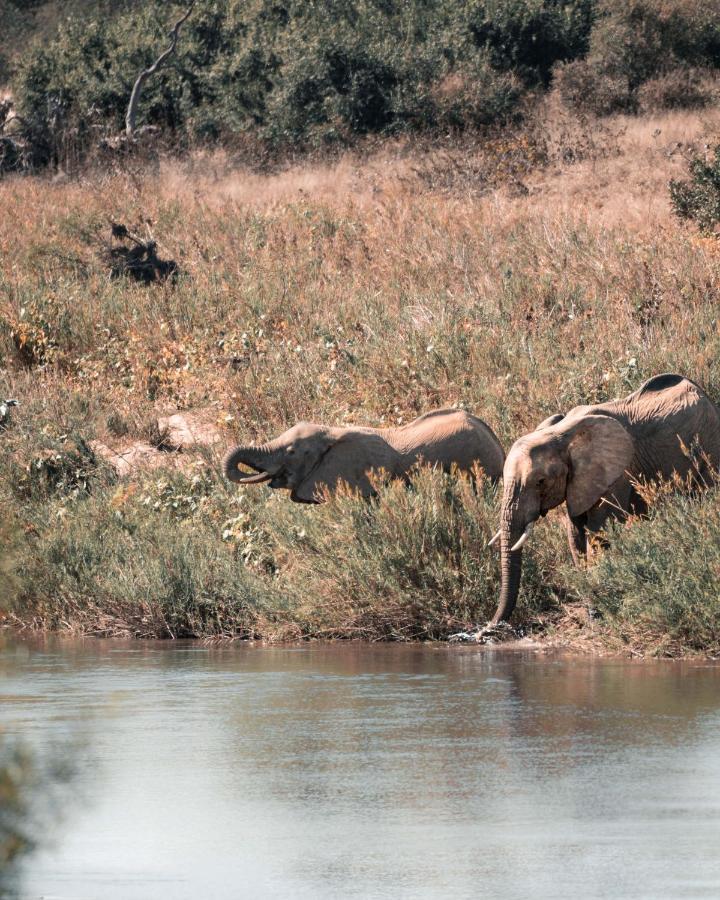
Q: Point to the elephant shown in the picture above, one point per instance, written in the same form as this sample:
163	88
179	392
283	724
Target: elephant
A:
311	459
592	459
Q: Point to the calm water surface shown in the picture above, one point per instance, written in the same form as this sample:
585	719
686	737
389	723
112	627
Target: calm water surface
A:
333	771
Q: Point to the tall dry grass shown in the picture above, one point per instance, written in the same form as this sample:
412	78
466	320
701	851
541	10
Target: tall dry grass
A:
515	278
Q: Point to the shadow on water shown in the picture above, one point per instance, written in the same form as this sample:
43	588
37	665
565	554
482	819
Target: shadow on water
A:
327	770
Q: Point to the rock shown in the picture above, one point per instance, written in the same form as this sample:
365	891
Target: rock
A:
177	436
137	457
185	430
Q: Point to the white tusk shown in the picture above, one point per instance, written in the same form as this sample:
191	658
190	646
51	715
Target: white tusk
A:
523	537
495	539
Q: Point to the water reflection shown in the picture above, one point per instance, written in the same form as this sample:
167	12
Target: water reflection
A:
391	771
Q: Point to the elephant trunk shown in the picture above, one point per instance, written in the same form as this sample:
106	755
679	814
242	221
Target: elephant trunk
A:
255	457
512	529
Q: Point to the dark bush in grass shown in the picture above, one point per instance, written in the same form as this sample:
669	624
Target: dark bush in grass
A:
698	199
683	88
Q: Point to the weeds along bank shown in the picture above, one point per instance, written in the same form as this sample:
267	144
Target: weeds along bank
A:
367	293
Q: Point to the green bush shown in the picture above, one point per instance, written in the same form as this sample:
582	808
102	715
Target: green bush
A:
632	43
415	564
133	565
33	789
528	37
699	198
297	71
180	555
656	584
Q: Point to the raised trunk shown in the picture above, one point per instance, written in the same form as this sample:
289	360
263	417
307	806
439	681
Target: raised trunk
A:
511	529
254	457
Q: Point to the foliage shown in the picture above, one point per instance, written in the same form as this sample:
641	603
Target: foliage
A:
699	198
415	564
632	43
299	72
31	789
311	74
655	584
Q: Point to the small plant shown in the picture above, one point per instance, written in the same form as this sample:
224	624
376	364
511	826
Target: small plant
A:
698	199
32	792
655	584
66	469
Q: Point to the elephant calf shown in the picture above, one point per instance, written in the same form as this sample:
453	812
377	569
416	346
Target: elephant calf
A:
307	459
590	458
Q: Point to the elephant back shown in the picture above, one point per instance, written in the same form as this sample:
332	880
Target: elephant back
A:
672	417
448	438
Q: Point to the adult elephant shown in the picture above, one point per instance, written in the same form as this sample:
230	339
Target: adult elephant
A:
590	459
309	459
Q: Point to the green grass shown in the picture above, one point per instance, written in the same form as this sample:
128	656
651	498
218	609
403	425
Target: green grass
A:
180	555
656	585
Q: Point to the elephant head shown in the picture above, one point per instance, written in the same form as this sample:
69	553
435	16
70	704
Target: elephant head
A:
308	458
575	459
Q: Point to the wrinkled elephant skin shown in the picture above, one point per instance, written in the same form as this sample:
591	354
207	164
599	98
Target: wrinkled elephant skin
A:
590	458
310	460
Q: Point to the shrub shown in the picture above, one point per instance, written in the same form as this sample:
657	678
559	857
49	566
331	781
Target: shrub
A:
586	88
682	88
656	584
414	564
698	199
296	72
528	37
633	43
33	790
123	565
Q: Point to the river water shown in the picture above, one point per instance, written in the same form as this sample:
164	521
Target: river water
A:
349	770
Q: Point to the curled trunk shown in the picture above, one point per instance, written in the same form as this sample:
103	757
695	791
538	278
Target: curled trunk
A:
254	457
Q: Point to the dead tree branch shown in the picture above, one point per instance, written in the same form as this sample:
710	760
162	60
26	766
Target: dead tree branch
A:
146	73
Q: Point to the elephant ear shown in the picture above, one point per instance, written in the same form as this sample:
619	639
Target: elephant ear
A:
350	459
600	451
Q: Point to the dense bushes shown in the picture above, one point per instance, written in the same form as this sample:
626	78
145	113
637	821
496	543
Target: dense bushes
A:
300	71
634	43
656	586
310	73
698	199
178	555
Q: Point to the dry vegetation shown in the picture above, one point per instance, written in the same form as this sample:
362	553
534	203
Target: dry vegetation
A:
515	277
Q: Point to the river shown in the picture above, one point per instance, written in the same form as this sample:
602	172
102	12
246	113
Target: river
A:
374	771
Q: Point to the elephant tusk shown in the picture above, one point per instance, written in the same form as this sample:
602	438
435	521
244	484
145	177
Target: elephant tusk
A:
495	539
523	537
258	478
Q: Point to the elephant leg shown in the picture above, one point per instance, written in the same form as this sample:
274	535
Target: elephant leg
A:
577	538
615	506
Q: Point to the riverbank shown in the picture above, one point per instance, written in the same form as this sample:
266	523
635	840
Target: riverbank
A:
366	292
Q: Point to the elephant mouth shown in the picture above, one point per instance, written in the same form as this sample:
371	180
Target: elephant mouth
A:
278	479
257	477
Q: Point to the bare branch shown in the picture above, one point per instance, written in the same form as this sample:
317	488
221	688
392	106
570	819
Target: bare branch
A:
146	73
